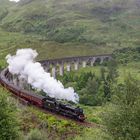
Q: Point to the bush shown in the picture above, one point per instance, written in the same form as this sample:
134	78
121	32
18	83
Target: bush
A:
123	55
36	135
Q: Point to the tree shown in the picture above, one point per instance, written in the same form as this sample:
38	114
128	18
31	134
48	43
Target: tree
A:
112	68
107	89
8	123
92	94
122	115
102	71
110	79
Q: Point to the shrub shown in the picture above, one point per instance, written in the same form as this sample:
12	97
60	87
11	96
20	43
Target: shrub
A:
36	135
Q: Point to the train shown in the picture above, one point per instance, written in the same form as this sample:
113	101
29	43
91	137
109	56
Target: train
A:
45	102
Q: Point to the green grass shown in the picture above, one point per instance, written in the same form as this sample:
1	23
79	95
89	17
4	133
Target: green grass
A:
94	69
10	42
59	28
68	28
93	113
132	68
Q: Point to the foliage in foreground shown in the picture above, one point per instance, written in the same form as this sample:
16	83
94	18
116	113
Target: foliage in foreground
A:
122	115
9	129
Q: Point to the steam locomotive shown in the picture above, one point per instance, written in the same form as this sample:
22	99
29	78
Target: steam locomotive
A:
45	102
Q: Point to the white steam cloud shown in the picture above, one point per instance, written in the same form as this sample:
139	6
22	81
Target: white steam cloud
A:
15	0
24	65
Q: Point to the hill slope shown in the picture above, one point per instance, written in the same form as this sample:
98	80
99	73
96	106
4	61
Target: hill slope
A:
101	25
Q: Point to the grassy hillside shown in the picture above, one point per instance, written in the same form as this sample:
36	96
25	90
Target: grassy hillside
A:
62	28
59	28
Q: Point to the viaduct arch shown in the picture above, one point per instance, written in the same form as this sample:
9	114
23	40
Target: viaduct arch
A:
55	66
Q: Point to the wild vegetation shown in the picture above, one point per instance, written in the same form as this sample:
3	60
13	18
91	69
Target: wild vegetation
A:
109	94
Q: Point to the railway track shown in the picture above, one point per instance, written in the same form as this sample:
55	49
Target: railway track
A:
85	123
25	102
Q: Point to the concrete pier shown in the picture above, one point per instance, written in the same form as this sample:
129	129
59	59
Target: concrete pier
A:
68	67
92	61
84	64
102	60
54	71
61	69
76	65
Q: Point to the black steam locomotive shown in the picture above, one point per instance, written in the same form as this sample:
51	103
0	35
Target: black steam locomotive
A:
64	109
47	102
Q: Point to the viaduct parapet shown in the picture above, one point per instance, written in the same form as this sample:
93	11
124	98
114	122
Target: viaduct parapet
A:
55	66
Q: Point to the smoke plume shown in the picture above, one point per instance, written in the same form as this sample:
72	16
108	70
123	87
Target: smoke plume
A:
15	0
24	65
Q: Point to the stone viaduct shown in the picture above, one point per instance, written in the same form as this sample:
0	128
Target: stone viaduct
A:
55	66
